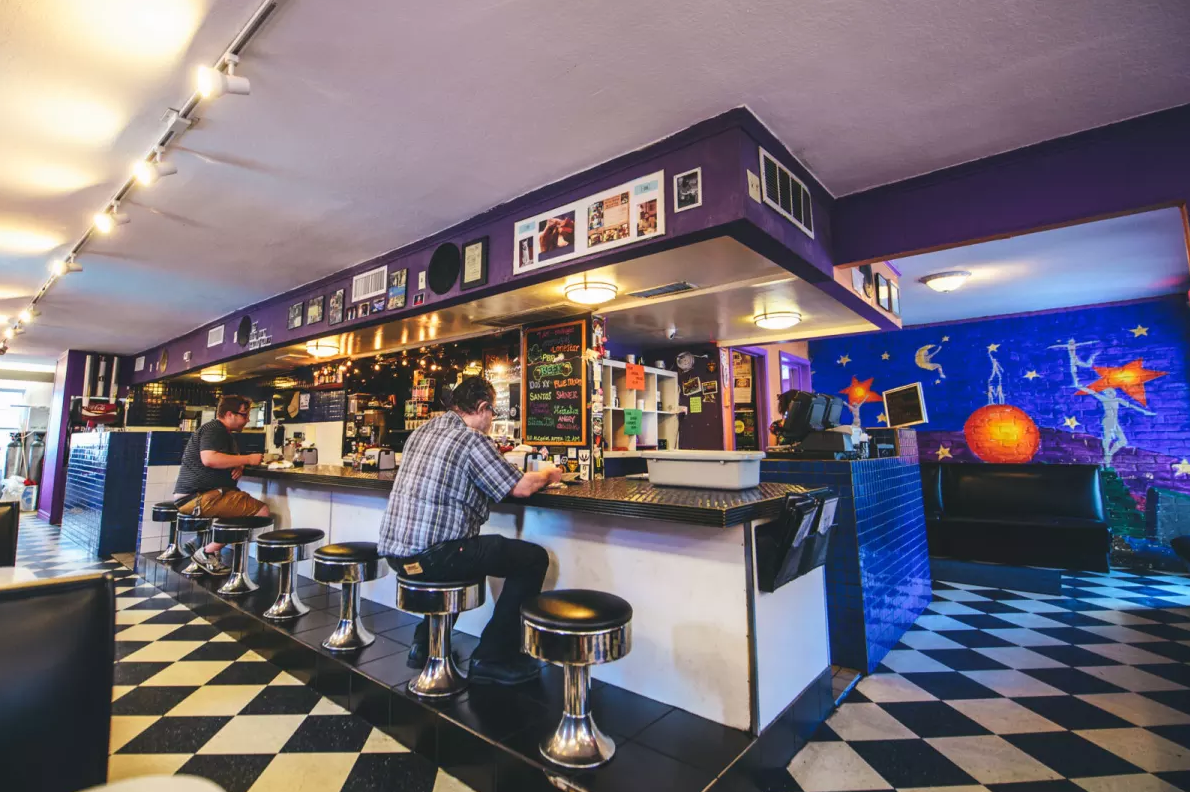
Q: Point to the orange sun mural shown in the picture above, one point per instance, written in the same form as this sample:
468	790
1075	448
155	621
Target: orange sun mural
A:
1130	378
860	392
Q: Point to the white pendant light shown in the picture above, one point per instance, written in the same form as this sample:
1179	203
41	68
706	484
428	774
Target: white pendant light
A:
777	320
588	292
946	281
322	347
217	374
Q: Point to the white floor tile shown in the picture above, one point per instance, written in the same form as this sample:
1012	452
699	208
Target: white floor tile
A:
833	766
1142	748
992	760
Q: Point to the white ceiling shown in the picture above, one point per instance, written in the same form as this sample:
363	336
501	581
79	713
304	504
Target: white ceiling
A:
372	124
1123	258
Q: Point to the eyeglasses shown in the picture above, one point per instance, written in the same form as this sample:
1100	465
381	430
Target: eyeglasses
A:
243	414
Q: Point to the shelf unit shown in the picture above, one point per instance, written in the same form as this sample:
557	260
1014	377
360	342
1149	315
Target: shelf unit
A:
659	420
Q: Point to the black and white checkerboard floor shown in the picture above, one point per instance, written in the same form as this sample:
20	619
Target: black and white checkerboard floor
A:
189	699
1000	690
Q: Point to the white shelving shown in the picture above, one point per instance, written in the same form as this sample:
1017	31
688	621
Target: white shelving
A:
659	419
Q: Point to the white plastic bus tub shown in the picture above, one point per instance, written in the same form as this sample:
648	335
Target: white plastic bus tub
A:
725	470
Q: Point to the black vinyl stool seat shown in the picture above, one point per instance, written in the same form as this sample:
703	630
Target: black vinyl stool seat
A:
201	528
438	601
167	512
577	629
284	548
350	564
237	532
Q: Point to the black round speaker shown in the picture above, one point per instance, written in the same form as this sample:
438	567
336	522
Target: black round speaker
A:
243	331
444	268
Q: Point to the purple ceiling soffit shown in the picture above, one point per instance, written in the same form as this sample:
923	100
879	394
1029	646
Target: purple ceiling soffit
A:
1136	164
716	145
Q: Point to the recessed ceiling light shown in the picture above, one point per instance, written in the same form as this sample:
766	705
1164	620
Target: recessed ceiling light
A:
946	281
777	320
591	292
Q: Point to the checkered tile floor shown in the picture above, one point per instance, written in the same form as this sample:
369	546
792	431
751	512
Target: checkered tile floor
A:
1001	690
189	699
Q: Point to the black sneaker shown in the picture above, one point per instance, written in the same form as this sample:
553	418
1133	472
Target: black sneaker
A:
212	565
515	671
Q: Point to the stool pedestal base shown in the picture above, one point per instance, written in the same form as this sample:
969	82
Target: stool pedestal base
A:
238	581
440	677
288	605
577	742
351	633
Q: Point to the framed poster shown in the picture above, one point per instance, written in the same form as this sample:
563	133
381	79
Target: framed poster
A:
895	292
688	190
632	212
349	314
883	295
554	385
334	309
314	309
295	316
397	284
475	264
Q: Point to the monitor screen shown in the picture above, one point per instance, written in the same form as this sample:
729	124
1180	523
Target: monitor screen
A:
905	406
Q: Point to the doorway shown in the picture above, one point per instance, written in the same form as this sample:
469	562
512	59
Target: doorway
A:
745	399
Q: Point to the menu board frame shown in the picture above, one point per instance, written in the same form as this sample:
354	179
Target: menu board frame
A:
526	375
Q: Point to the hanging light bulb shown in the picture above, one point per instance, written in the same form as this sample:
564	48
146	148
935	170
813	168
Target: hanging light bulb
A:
213	83
148	171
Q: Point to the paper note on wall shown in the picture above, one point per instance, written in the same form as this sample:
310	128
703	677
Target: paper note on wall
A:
695	404
634	377
632	420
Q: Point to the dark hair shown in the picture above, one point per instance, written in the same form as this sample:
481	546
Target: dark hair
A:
467	395
231	404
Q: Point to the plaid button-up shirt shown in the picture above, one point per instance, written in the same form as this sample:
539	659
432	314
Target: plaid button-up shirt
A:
448	478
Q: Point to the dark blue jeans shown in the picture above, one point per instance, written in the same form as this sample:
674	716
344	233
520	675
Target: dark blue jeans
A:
522	565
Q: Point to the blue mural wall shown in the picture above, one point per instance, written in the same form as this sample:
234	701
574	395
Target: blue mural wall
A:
1100	385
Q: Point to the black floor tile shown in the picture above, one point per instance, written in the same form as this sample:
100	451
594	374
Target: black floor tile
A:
321	601
175	736
381	647
390	670
495	711
232	772
125	648
323	620
192	632
621	711
636	766
911	763
949	685
963	659
1076	619
1073	681
992	608
1037	786
127	673
986	621
218	650
1074	656
1073	604
329	734
369	607
977	639
246	673
1178	699
1002	595
1073	635
1174	672
1168	632
151	700
1158	615
1071	755
933	719
383	622
1179	779
407	772
154	603
283	700
171	617
695	741
299	661
1072	713
402	634
1178	734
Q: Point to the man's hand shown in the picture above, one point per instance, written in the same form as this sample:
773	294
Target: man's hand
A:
236	473
555	473
253	459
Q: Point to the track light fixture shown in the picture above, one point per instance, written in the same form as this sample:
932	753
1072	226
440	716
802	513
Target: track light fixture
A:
148	171
213	82
60	267
105	222
26	316
9	333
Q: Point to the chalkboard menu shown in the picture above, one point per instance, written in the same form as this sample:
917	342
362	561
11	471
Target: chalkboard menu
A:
554	397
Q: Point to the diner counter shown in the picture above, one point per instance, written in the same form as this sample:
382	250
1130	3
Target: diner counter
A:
616	497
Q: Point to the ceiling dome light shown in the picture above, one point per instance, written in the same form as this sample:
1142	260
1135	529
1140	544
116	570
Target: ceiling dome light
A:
322	347
946	281
213	83
148	171
217	374
777	320
60	267
105	222
591	292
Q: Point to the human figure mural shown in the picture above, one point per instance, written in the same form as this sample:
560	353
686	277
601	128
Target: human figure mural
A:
924	357
996	380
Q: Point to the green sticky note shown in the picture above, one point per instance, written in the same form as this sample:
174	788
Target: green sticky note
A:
632	420
695	404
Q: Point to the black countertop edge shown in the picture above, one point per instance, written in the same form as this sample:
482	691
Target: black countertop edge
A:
616	497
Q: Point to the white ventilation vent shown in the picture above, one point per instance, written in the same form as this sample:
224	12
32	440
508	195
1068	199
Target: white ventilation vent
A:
785	193
215	336
661	291
369	284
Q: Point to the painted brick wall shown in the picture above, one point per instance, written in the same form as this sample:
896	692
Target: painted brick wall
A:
1003	389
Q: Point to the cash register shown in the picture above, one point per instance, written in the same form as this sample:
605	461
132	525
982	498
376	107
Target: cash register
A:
810	428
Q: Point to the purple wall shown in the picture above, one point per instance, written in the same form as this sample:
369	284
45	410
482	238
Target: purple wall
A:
702	431
1120	168
68	382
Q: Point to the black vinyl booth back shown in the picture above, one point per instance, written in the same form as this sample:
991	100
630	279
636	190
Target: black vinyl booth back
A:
56	659
10	518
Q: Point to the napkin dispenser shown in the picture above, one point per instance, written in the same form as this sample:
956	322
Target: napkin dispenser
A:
380	459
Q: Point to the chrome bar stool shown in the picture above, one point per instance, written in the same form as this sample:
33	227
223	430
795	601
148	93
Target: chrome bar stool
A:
577	629
237	532
284	549
201	528
163	512
348	563
439	601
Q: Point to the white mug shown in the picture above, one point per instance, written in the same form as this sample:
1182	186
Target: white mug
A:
631	358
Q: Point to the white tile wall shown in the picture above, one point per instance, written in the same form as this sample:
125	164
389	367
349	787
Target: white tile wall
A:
159	486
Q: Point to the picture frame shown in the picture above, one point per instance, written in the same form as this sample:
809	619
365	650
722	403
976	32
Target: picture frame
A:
475	264
334	309
349	314
314	309
419	298
365	308
295	316
688	190
377	305
895	298
397	286
883	296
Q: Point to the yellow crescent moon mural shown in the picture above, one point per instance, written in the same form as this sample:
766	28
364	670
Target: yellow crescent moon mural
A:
924	358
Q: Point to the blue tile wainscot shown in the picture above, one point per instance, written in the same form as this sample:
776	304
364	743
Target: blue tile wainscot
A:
878	566
105	484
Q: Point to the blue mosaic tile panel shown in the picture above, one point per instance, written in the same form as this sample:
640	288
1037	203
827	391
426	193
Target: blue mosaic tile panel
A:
165	448
105	485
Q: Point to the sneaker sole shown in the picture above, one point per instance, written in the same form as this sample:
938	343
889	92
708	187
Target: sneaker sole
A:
486	680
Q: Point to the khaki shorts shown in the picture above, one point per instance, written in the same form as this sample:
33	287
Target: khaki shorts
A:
222	503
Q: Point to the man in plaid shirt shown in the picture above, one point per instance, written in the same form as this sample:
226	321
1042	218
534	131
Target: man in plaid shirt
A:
450	474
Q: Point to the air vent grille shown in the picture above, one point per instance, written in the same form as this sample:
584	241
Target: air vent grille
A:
215	336
785	193
369	284
661	291
533	316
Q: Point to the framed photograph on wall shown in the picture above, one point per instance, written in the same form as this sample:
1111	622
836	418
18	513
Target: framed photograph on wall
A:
688	190
475	264
334	310
295	316
883	293
314	309
895	292
349	314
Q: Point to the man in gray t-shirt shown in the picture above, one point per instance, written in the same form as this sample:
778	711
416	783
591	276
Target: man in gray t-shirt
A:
211	466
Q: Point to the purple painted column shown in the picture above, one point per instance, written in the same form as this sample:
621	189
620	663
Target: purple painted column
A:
68	382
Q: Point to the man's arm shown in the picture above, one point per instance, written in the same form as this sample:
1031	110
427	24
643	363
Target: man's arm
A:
535	480
221	461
